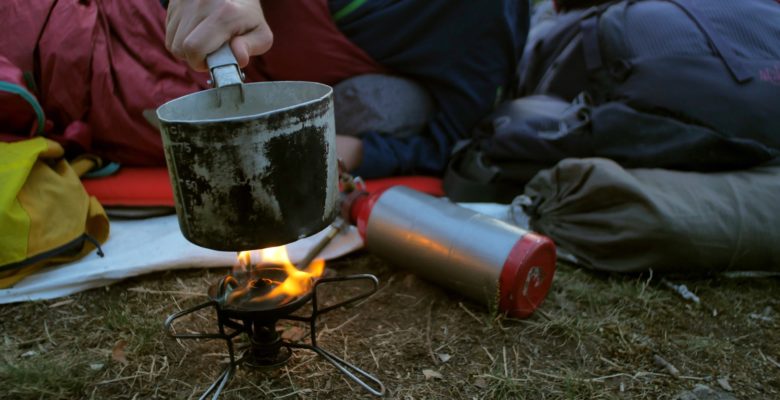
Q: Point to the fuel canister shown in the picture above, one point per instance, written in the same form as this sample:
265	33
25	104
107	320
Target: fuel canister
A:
490	261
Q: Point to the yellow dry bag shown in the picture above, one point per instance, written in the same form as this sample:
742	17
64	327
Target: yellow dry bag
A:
46	216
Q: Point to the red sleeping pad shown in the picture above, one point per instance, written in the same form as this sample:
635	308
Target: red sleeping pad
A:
151	187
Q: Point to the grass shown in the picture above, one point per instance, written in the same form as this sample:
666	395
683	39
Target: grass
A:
596	336
33	378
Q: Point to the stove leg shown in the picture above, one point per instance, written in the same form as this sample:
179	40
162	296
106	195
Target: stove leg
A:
376	387
220	383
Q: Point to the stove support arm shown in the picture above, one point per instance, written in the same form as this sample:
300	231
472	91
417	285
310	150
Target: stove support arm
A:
375	387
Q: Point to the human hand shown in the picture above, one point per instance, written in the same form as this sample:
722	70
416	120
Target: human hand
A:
350	151
196	28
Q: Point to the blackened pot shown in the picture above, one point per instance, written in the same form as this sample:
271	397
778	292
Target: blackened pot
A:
254	173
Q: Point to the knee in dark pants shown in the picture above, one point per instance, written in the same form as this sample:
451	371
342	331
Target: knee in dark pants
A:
382	103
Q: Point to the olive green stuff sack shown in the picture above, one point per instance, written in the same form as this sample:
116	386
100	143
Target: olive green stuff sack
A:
632	220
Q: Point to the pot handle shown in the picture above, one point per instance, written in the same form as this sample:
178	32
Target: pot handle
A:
223	67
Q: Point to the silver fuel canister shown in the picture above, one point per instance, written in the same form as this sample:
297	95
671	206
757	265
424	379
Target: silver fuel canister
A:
490	261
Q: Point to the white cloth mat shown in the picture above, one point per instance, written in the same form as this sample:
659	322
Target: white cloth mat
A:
137	247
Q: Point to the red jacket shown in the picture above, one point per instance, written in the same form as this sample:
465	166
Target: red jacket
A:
101	63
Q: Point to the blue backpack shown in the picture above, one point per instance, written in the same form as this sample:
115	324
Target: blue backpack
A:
679	84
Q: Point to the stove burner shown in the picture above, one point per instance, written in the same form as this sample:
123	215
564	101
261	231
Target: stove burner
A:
238	299
258	320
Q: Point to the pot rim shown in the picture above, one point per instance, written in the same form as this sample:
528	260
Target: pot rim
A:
171	104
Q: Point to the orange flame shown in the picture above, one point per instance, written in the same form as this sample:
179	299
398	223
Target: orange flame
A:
296	283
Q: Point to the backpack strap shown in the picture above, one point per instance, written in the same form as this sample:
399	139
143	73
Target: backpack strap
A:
29	98
590	42
589	31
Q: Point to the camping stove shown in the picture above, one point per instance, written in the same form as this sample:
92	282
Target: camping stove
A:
235	300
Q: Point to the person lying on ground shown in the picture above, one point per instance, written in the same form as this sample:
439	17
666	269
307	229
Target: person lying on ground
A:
463	53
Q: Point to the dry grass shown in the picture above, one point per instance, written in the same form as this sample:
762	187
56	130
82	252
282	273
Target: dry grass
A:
596	337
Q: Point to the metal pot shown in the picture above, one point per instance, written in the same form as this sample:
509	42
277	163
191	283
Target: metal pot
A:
252	165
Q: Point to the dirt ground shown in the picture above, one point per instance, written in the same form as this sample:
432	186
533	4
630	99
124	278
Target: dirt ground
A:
596	336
